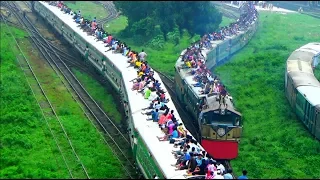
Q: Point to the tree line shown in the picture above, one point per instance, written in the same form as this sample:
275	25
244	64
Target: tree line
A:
149	19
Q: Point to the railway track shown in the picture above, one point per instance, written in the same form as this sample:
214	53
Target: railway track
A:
51	118
112	12
120	145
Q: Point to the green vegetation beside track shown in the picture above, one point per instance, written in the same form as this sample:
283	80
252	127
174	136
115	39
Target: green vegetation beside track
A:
27	148
99	94
88	9
275	143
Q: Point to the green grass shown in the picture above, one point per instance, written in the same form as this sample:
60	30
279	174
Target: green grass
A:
226	21
275	144
25	150
116	25
99	94
88	9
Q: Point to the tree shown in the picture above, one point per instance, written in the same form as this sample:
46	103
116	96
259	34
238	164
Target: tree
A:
143	16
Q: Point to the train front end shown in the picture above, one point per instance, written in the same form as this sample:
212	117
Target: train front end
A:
221	127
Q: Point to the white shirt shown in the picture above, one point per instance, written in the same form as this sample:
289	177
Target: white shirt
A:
142	55
157	106
153	96
218	176
221	167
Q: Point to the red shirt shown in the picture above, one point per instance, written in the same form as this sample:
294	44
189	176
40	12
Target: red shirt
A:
162	119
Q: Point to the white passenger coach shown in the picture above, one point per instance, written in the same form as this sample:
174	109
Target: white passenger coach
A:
153	157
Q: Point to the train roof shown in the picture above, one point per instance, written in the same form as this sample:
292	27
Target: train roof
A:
214	105
299	65
148	130
312	94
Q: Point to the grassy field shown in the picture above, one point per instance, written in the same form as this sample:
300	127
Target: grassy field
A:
88	9
226	21
274	144
116	25
27	149
99	94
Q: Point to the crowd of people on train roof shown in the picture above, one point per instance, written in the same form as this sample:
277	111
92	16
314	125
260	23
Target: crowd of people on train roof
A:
188	154
194	59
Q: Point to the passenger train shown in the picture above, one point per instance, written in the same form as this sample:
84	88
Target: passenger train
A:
220	128
302	88
153	157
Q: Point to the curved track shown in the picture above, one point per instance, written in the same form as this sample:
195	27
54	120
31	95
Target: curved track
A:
112	12
120	145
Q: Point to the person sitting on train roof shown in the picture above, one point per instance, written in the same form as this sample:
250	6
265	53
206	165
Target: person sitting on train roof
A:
182	132
135	85
221	167
198	163
200	170
192	164
178	153
142	55
81	20
77	15
209	174
77	20
219	175
184	164
228	174
147	93
162	120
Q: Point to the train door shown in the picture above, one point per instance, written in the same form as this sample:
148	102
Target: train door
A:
306	114
300	105
311	119
290	92
317	123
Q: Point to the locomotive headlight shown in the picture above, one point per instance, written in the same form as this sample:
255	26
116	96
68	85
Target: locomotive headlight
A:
221	132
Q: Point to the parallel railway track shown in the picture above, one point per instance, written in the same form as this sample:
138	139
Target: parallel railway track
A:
113	136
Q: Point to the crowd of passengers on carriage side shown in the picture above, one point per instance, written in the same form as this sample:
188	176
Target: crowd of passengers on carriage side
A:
189	155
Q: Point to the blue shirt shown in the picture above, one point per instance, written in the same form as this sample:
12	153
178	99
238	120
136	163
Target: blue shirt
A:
187	156
175	134
243	177
155	115
199	162
228	176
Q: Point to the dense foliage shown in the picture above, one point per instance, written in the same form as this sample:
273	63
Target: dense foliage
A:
165	20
